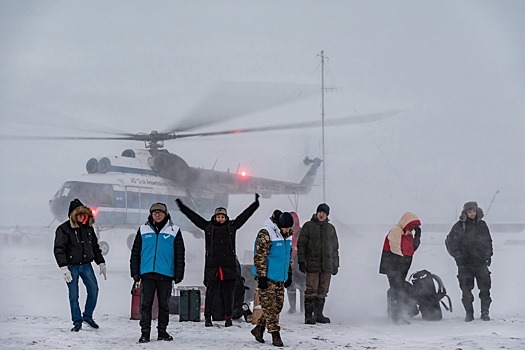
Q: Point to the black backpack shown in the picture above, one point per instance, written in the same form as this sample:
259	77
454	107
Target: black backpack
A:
426	295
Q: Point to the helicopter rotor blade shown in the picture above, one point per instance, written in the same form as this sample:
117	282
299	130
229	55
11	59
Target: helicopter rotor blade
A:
230	100
358	119
25	137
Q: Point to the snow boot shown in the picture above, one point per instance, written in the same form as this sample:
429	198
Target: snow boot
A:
309	306
77	327
228	322
469	309
276	339
163	335
319	307
485	315
485	304
207	321
144	338
92	324
469	317
258	332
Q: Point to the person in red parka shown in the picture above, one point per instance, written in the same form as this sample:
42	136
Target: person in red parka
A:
396	259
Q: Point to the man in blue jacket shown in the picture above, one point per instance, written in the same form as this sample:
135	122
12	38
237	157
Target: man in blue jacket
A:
157	259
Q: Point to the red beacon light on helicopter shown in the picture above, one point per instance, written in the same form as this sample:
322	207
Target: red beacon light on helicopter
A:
94	211
243	174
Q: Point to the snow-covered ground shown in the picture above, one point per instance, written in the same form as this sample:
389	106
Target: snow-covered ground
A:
34	311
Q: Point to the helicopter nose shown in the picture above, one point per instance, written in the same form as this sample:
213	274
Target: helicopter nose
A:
59	208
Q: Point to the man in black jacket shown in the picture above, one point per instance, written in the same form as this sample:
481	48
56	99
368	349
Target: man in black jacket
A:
221	264
318	257
157	259
470	244
76	246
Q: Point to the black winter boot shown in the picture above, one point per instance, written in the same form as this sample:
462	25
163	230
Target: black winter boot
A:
163	335
469	310
319	307
207	321
228	322
144	338
258	332
485	304
276	339
309	307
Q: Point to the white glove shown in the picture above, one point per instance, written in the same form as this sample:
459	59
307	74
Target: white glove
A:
67	274
102	267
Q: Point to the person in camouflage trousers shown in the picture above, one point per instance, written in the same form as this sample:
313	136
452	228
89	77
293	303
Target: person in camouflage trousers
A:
273	271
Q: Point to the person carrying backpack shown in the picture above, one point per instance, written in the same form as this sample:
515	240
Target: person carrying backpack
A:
398	249
470	244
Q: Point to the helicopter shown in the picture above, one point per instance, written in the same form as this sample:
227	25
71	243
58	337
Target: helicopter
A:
120	189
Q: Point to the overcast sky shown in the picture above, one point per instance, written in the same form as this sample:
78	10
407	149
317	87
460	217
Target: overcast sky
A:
456	70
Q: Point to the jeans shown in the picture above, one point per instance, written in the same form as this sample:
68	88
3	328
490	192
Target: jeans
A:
84	271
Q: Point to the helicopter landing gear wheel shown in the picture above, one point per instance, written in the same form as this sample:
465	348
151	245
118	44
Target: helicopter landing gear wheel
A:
130	240
104	246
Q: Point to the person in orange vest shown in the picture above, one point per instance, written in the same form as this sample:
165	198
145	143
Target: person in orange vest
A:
396	258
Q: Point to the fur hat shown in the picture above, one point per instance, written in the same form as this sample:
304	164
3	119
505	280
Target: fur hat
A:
470	206
285	220
158	206
324	208
221	210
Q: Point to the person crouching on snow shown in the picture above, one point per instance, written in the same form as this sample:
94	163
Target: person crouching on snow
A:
396	259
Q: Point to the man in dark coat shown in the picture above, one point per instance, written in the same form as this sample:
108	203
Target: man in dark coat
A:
470	244
157	259
396	258
221	264
318	257
76	246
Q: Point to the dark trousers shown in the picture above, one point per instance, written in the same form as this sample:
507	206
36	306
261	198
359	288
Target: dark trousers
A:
397	293
466	276
221	288
148	287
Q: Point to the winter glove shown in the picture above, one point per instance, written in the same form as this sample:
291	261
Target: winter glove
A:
288	282
179	202
302	267
178	280
257	197
67	274
263	283
489	261
102	268
136	278
335	270
417	230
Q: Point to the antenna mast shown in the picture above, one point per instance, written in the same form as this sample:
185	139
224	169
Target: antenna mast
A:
322	123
